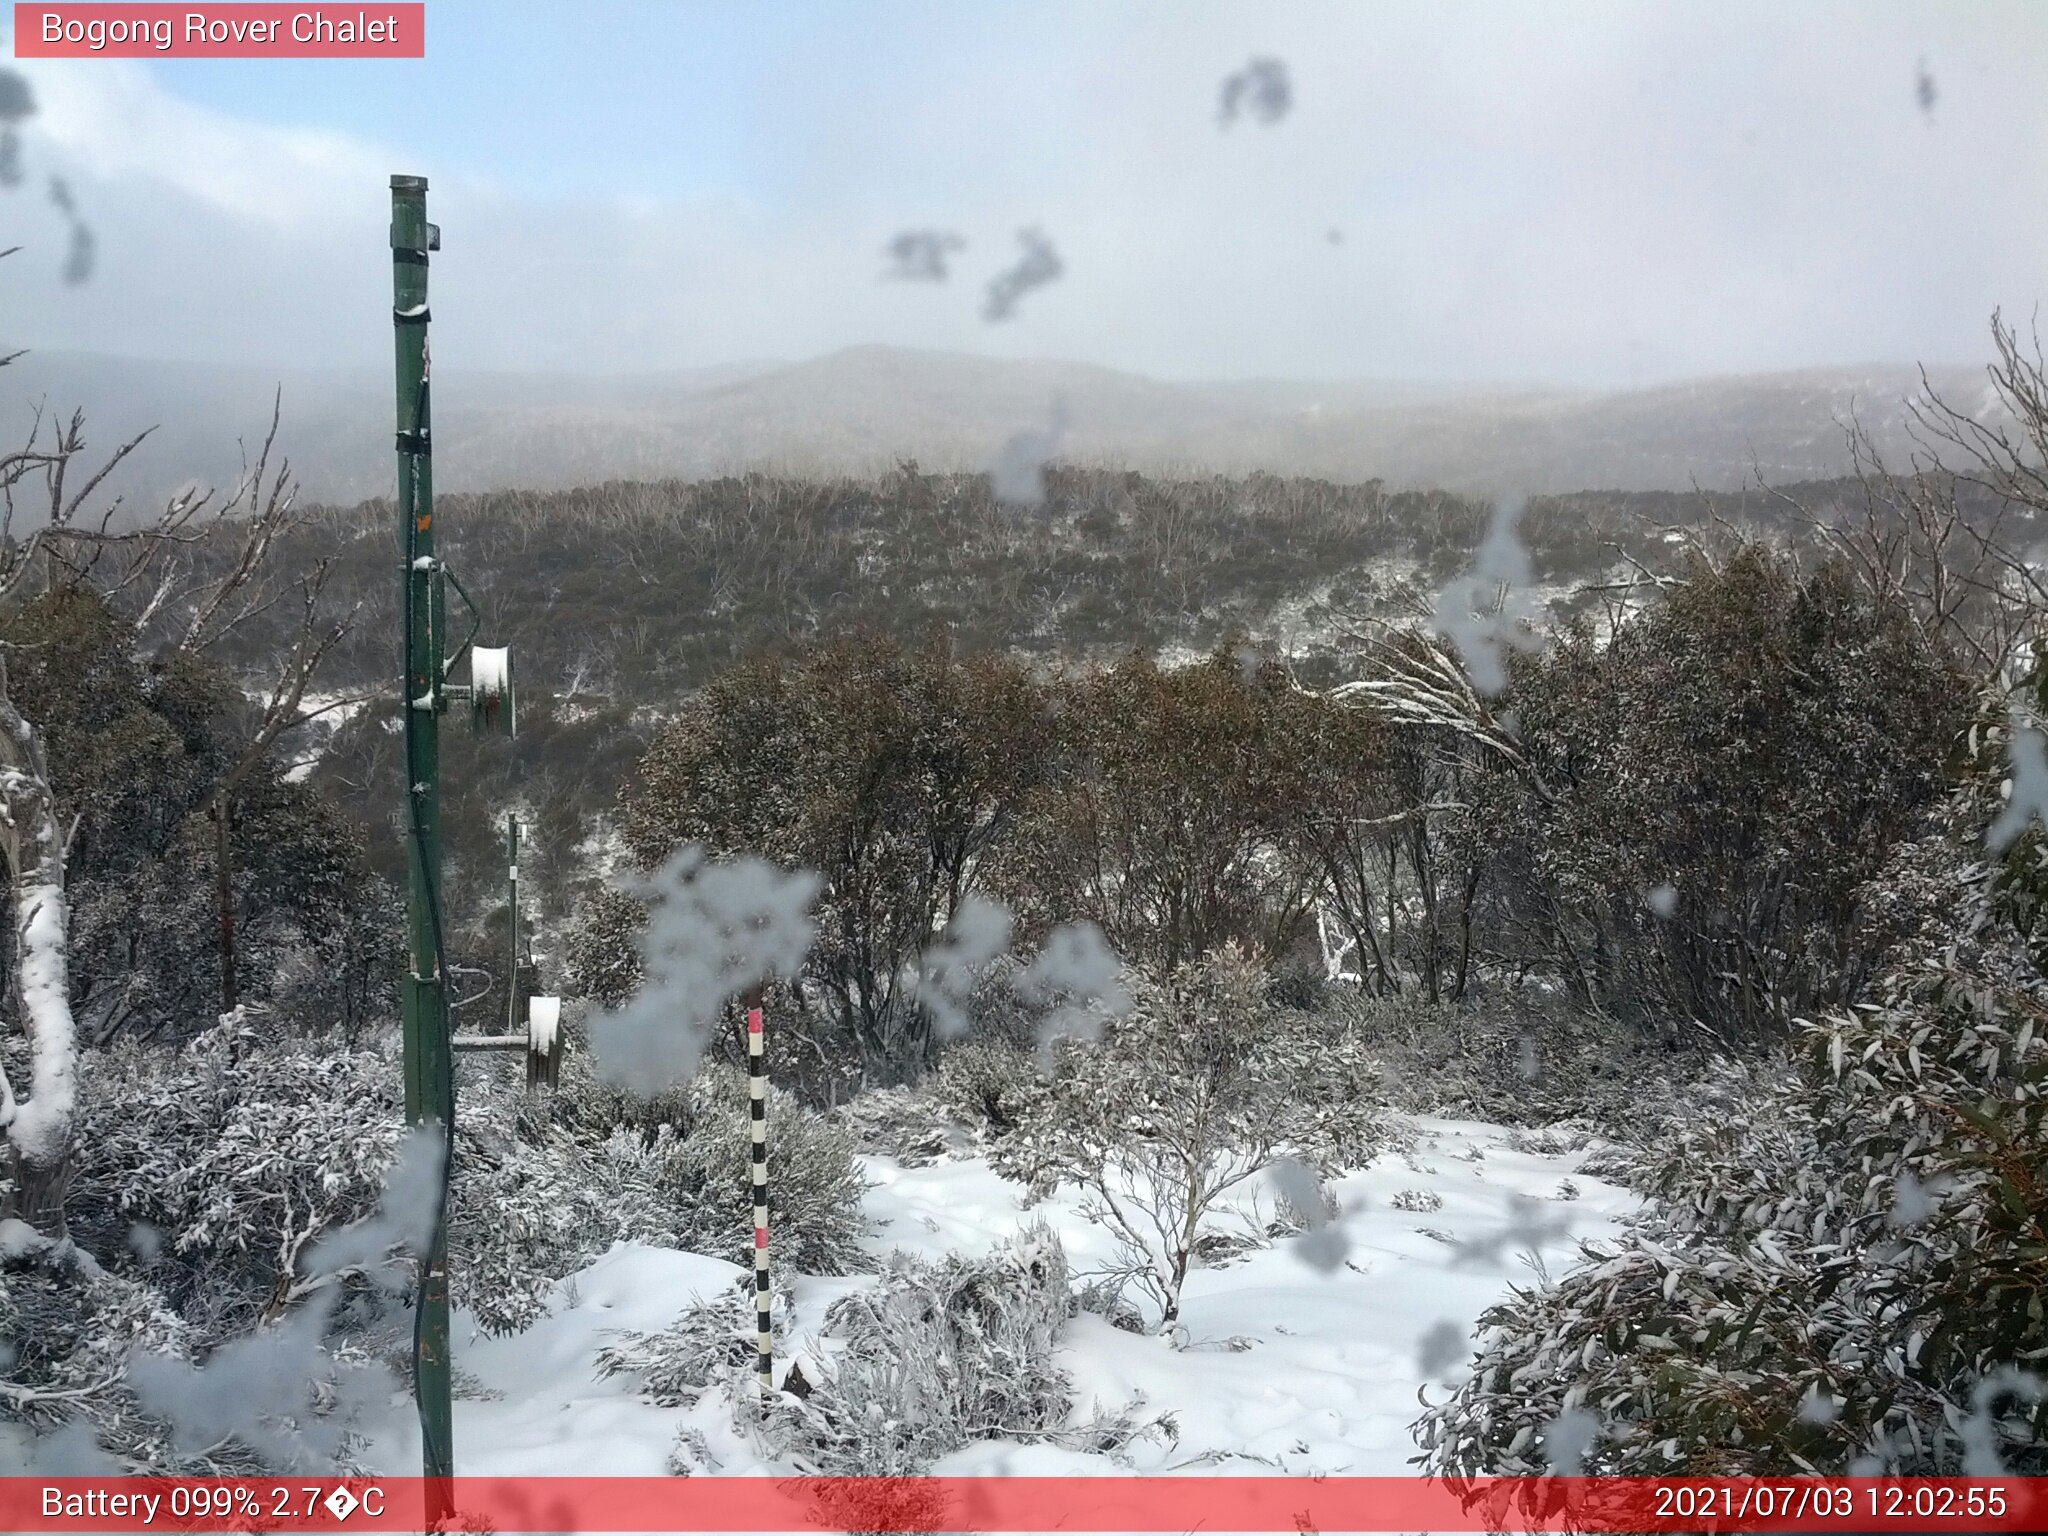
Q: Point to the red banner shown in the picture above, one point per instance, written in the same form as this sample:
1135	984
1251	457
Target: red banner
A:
1065	1504
114	31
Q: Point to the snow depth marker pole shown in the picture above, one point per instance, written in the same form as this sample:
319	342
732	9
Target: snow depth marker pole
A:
757	1106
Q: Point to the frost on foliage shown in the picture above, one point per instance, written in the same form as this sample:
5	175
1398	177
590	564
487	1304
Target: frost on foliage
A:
404	1222
66	1328
920	255
1261	90
713	931
546	1185
242	1158
938	1354
1038	265
815	1186
278	1188
1488	611
1770	1312
711	1342
1175	1108
280	1393
290	1392
542	1190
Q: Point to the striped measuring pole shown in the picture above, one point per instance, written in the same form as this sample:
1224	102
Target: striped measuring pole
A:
757	1097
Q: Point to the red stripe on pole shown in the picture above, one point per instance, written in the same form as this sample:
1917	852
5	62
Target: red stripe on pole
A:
760	1237
1009	1504
753	1021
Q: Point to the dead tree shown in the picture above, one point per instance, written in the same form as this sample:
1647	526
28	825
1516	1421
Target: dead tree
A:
260	509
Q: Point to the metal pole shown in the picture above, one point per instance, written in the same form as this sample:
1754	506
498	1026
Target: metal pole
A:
429	1079
757	1101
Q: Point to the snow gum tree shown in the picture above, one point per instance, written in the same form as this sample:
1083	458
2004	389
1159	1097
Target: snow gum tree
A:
78	551
895	773
1179	1105
39	1127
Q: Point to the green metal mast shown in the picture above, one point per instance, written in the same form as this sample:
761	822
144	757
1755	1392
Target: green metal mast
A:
429	1078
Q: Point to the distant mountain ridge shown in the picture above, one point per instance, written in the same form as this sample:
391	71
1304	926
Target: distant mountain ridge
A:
863	409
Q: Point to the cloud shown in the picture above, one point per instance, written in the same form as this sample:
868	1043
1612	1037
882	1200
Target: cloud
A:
1598	194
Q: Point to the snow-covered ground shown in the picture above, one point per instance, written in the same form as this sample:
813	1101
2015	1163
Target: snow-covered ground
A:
1288	1368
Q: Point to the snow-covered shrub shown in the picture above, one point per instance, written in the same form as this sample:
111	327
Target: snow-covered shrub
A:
234	1155
897	1122
1699	793
988	1084
532	1202
1335	1116
936	1355
814	1184
1843	1269
67	1327
603	948
674	1168
710	1341
1513	1060
1178	1105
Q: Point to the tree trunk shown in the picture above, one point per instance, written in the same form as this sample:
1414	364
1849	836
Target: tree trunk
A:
39	1191
40	1128
224	895
39	1131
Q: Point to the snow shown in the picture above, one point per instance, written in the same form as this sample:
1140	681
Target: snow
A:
543	1017
18	1239
1288	1367
490	670
328	713
556	1417
40	1126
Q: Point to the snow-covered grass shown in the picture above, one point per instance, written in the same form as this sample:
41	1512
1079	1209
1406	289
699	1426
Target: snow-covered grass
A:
1287	1367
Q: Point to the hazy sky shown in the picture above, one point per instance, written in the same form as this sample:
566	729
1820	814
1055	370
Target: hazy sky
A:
1588	193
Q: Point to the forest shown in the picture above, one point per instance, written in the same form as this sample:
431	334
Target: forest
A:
1180	850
